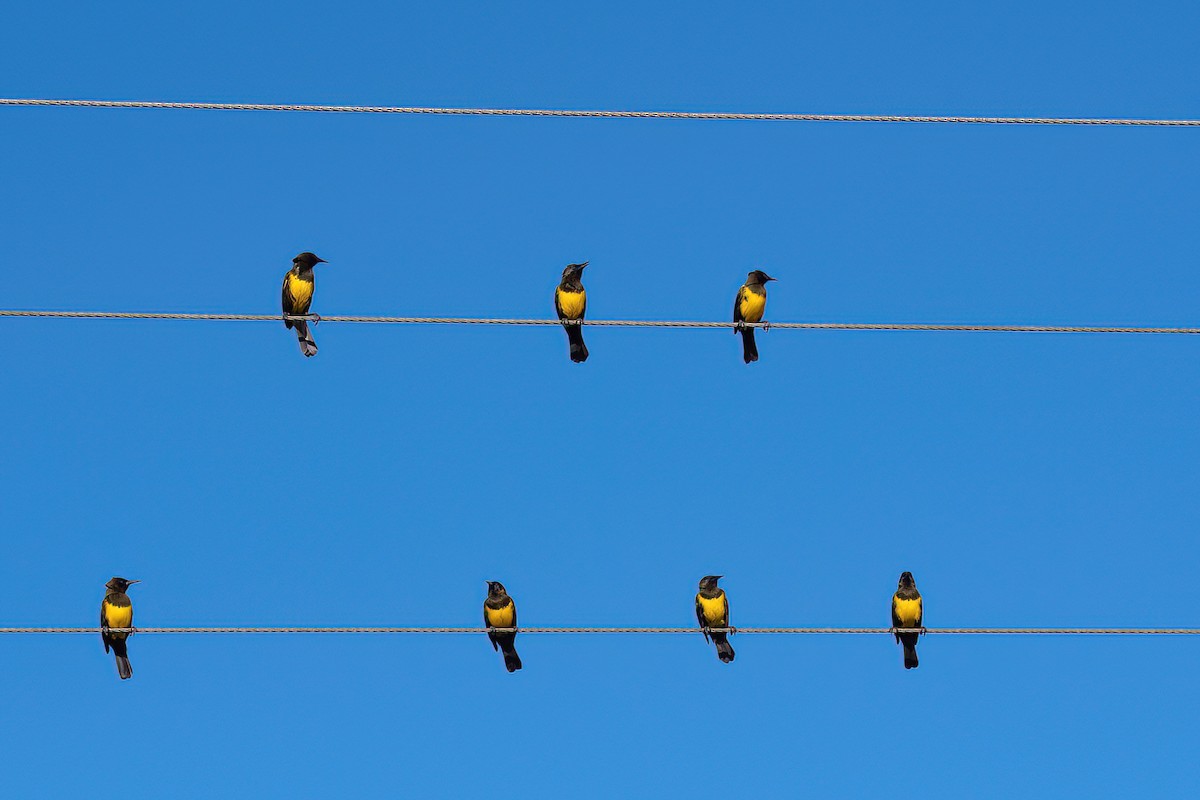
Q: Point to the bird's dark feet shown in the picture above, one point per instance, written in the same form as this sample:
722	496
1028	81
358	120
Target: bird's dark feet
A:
315	318
104	630
766	326
732	629
739	326
923	630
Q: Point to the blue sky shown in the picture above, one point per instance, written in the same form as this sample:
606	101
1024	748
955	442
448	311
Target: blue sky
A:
1025	480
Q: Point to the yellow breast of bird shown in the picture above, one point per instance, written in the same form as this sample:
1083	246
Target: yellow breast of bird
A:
118	616
751	306
908	612
301	292
714	610
572	304
501	617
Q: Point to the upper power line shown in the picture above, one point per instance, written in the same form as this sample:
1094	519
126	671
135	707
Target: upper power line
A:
562	112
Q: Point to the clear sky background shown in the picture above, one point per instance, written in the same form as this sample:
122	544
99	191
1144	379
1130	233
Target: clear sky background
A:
1026	480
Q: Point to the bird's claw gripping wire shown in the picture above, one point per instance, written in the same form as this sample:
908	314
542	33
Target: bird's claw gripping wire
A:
766	326
314	318
739	326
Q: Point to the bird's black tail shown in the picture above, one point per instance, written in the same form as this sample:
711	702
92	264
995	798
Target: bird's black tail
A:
122	655
749	348
579	351
512	661
307	346
909	640
724	648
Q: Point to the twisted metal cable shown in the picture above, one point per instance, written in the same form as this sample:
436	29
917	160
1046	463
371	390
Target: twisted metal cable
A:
653	630
548	112
615	323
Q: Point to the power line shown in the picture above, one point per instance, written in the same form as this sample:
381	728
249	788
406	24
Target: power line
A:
655	630
612	323
558	112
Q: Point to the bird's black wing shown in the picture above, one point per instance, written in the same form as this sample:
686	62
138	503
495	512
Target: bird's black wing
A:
487	624
700	619
103	624
289	302
737	304
895	617
728	622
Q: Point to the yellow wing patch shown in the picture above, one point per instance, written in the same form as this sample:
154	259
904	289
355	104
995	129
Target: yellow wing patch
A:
750	305
713	610
571	305
908	612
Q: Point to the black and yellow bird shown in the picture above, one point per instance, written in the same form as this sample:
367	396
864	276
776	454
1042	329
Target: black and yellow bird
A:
749	306
570	301
298	286
712	611
117	612
499	611
907	612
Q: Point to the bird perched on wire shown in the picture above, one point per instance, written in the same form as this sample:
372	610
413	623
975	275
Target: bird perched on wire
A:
712	611
907	612
499	611
749	306
570	301
298	286
117	612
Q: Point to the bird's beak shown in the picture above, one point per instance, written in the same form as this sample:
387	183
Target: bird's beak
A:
322	261
584	264
131	583
772	279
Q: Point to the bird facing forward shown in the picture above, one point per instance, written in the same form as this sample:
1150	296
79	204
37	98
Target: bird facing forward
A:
117	612
907	612
570	301
499	611
712	611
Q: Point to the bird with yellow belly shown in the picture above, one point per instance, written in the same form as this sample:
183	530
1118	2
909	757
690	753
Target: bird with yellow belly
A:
749	306
908	612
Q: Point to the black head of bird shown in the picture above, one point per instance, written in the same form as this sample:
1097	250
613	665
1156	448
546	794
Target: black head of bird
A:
119	584
906	580
574	270
758	276
709	582
496	589
308	260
